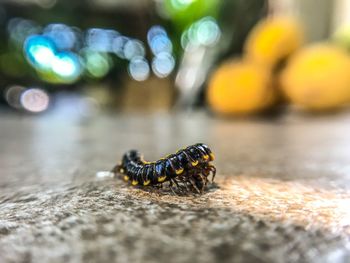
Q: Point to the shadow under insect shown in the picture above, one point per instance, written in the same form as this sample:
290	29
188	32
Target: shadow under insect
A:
187	171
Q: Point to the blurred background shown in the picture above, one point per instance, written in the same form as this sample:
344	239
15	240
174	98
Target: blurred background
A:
230	57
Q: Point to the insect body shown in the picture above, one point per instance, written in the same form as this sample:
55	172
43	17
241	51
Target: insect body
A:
187	170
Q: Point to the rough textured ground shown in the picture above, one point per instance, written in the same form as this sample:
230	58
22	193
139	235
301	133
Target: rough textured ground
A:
283	191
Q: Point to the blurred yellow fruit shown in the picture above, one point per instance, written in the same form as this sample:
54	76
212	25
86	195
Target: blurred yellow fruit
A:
240	87
318	77
273	39
342	37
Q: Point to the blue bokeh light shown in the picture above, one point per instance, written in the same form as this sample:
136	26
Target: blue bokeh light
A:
118	45
62	35
155	31
60	54
134	48
19	29
101	40
139	69
66	65
40	51
160	44
62	67
163	64
158	40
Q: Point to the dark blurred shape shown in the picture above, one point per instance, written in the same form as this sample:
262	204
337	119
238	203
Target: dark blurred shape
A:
12	95
19	29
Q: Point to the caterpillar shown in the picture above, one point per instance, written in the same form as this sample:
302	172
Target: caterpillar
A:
186	170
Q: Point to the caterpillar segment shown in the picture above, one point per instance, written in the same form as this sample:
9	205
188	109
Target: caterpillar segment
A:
187	170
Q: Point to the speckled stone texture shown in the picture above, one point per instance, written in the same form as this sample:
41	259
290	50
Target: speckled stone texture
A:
282	196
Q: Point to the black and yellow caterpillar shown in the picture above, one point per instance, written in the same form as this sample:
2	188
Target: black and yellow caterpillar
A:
187	169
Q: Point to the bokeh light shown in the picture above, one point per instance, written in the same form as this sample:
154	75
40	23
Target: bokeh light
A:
54	66
118	45
101	40
139	69
62	35
35	100
13	94
133	48
181	4
66	65
205	32
19	29
61	53
155	31
158	40
40	51
163	64
96	64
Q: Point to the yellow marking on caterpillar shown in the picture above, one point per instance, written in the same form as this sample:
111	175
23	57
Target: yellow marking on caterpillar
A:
126	178
134	182
212	156
161	178
147	182
194	163
144	161
206	157
180	171
121	170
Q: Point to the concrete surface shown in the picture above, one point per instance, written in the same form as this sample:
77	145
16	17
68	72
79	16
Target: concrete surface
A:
283	190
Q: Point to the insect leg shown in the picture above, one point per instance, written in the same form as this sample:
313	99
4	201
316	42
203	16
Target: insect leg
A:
173	181
204	181
213	170
193	183
184	186
171	186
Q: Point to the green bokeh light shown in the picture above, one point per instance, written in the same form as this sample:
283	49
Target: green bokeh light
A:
181	4
97	64
185	12
204	32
